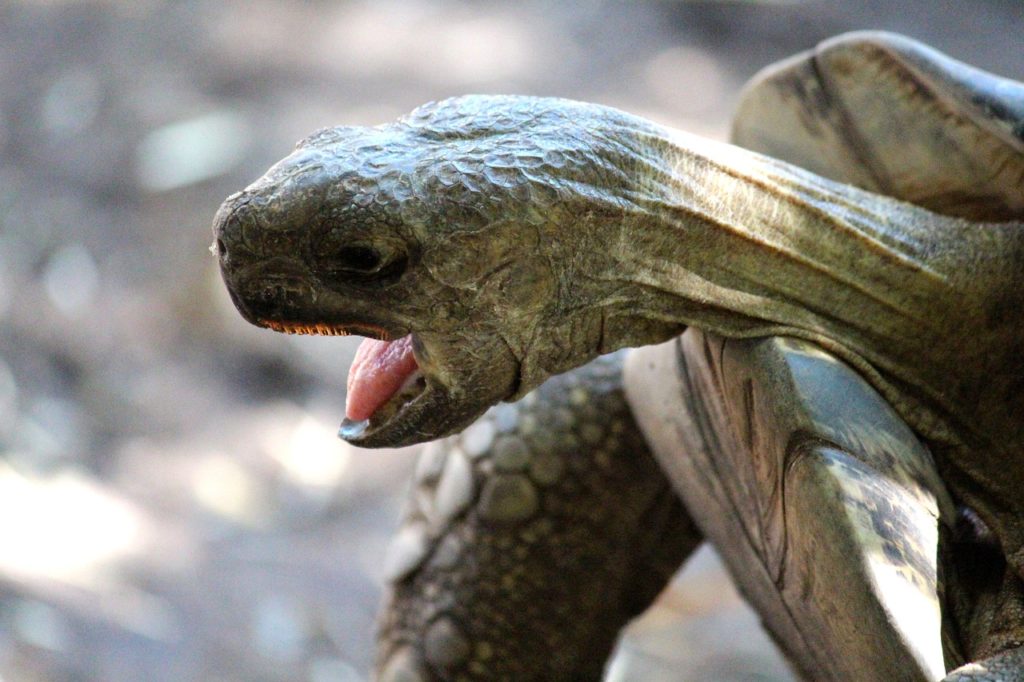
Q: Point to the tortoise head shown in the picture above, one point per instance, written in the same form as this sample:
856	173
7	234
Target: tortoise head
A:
442	233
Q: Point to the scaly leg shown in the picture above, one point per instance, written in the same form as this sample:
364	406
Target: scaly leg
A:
530	539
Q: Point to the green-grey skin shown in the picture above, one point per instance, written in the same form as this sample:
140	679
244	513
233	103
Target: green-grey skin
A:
517	238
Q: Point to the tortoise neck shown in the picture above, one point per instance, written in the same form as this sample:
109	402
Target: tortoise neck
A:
743	245
738	243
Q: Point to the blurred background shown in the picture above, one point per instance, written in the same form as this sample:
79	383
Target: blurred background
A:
174	504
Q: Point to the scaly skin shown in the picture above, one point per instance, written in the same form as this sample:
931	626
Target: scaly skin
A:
517	238
531	539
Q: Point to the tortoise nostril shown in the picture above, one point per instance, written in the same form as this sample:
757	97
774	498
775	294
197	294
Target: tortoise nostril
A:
222	250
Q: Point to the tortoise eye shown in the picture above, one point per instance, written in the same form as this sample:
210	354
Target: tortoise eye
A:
358	259
362	263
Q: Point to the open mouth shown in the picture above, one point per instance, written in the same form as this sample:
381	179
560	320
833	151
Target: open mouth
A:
385	378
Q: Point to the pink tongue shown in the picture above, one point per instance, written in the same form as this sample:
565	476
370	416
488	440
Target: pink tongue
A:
378	371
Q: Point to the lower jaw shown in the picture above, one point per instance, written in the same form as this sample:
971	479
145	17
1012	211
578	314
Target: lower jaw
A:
413	388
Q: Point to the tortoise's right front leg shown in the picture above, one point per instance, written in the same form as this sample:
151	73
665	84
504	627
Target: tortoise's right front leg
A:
531	539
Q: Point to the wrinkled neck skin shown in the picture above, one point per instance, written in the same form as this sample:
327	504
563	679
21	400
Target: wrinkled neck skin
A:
925	306
929	309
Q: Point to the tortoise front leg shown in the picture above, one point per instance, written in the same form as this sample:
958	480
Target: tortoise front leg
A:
531	539
823	504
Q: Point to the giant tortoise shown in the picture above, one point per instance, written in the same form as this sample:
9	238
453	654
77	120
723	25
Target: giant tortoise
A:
842	417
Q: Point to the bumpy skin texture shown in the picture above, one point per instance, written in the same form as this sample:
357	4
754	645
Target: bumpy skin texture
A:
517	238
531	539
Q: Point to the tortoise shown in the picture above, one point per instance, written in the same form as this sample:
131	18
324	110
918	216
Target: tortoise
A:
828	356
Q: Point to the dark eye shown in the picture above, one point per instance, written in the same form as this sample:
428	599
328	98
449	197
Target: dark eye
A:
362	263
361	259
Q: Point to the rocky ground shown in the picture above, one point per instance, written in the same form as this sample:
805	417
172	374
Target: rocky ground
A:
173	502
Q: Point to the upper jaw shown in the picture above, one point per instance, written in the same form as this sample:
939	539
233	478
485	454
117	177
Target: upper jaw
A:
299	320
291	304
340	328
